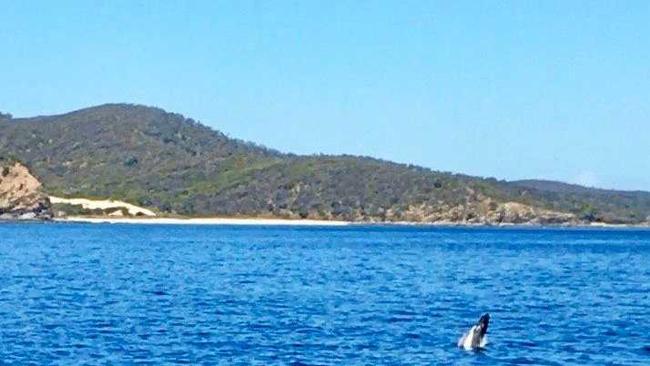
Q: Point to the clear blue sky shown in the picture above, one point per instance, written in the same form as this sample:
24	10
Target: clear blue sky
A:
521	89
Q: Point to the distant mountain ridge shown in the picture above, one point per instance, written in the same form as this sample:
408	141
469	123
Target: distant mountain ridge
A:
561	187
162	160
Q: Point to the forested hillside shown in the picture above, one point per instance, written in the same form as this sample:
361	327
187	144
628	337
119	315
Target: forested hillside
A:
176	165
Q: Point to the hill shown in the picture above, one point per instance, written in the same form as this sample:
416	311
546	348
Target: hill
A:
176	165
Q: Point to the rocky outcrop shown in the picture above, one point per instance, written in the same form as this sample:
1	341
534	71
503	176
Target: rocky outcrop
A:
481	210
517	213
20	194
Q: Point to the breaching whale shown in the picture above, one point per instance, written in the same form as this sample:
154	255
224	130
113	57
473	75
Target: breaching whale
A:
476	336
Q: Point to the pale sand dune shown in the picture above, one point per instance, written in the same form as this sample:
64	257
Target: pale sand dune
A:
203	221
103	205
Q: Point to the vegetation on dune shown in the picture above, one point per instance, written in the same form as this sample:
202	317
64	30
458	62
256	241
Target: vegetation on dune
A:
149	157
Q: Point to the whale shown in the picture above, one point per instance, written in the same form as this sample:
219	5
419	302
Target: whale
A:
476	336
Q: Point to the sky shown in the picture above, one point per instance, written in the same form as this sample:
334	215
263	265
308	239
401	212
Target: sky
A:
508	89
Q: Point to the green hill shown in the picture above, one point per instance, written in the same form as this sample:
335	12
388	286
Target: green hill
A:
162	160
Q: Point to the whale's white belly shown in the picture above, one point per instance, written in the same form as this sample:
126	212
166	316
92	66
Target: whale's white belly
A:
467	340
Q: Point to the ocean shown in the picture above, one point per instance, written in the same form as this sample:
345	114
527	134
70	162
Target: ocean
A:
75	294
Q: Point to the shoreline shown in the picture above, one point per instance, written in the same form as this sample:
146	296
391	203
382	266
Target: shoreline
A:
202	221
306	222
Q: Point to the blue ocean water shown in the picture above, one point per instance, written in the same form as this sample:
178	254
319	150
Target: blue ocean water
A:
124	294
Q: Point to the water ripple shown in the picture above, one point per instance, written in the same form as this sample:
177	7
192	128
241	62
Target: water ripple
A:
112	294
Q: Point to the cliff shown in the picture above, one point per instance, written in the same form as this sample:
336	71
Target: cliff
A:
20	194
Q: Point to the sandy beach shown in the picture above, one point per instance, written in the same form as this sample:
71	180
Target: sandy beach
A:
290	222
202	221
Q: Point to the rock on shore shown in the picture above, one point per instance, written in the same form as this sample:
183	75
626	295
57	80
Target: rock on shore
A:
21	197
481	210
